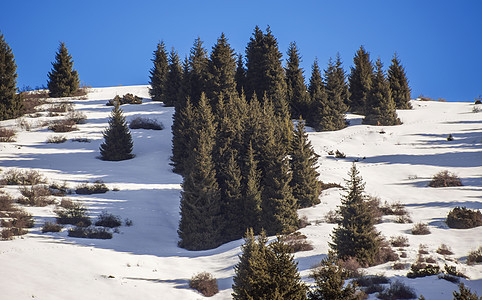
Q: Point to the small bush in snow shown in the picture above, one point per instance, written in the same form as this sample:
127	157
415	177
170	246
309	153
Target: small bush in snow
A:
205	283
421	270
444	250
66	125
126	99
475	257
74	215
98	187
371	280
106	219
450	138
51	227
445	179
76	117
7	135
332	217
351	266
90	233
452	270
58	139
420	229
145	123
6	203
15	224
297	242
399	241
16	177
58	189
463	218
81	140
61	107
397	290
465	294
36	195
399	266
339	154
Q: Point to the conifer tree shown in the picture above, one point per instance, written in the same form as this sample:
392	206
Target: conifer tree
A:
315	90
63	79
296	89
198	70
360	81
182	133
201	223
172	87
117	137
221	71
255	74
399	84
159	73
251	192
330	282
356	235
10	102
381	108
304	182
240	76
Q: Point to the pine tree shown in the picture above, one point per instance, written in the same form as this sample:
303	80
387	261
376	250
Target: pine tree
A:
355	235
198	71
251	192
315	90
182	133
330	282
201	222
63	80
296	89
159	73
304	182
255	74
360	81
399	84
171	93
381	108
240	76
465	293
10	102
221	71
117	137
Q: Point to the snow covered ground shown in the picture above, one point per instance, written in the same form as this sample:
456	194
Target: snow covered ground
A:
144	262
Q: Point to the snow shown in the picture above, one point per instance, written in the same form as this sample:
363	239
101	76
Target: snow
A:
144	262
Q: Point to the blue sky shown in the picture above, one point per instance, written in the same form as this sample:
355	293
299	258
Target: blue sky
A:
438	42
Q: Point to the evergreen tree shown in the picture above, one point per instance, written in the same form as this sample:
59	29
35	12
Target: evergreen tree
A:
201	223
198	70
63	80
255	74
315	90
222	70
159	73
10	102
240	76
360	81
465	293
330	282
117	137
171	93
182	133
381	108
251	192
355	235
297	94
399	84
304	182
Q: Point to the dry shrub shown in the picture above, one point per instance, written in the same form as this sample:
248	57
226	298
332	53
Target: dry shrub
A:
422	249
463	218
145	123
126	99
368	280
106	219
7	135
76	215
18	177
444	250
82	91
430	260
76	117
90	233
475	257
421	270
452	270
58	139
396	208
15	223
329	185
296	242
374	207
67	203
302	222
399	241
397	290
332	217
6	203
399	266
404	219
97	187
81	140
58	189
339	154
420	229
51	227
445	179
61	107
66	125
205	283
36	195
7	234
351	266
386	253
33	99
403	254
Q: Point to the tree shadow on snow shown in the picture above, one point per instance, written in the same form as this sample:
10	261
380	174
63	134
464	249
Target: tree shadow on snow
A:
450	159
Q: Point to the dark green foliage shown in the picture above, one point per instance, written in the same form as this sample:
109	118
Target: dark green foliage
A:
106	219
197	76
360	81
221	68
463	217
399	84
63	79
380	106
330	282
423	270
355	235
200	225
182	133
304	160
126	99
251	192
298	97
240	76
145	123
117	138
158	76
316	92
266	272
397	290
97	187
10	102
90	233
75	214
172	87
465	293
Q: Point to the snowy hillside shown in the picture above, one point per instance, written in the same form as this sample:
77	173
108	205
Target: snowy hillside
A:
143	261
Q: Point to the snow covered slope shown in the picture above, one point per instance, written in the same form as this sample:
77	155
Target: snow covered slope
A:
144	262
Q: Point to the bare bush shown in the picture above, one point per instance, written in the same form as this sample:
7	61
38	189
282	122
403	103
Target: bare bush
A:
81	140
126	99
58	139
97	187
297	242
475	257
399	266
58	189
90	233
76	117
66	125
332	217
444	250
352	267
61	107
6	203
422	270
397	290
445	179
75	214
7	135
339	154
145	123
106	219
420	229
51	227
18	177
463	218
36	195
205	283
399	241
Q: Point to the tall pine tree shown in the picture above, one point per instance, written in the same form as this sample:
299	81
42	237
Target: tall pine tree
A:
399	84
255	65
251	192
240	76
304	182
381	108
297	94
63	79
356	235
10	102
117	137
198	71
158	76
171	93
182	134
316	92
360	81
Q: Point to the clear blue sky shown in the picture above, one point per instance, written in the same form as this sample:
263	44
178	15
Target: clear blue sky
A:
439	42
